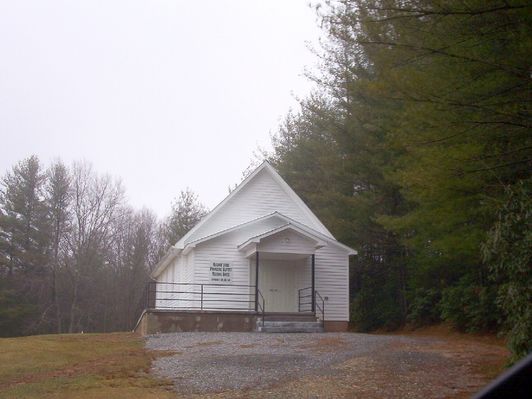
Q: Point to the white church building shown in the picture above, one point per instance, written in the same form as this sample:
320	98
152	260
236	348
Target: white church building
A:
260	260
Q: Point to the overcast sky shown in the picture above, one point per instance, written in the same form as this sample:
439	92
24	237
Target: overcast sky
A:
163	94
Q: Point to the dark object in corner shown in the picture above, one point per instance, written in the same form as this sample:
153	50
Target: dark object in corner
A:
514	383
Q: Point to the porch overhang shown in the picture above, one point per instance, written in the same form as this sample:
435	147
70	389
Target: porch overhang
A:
279	243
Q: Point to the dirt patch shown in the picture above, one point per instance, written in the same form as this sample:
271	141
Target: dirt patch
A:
244	346
209	343
325	344
447	332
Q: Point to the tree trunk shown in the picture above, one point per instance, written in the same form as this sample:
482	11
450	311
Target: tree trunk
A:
73	309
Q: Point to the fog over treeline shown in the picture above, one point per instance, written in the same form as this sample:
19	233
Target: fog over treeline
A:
74	255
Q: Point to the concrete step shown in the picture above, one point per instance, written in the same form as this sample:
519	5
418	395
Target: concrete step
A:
289	326
266	329
290	317
292	323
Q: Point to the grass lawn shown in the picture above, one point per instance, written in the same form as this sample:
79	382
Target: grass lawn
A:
78	366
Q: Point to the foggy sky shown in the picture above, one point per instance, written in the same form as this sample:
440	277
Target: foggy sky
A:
164	94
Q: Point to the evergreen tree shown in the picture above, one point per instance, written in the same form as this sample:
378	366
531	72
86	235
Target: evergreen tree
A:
459	123
186	212
24	245
58	200
24	221
421	122
508	252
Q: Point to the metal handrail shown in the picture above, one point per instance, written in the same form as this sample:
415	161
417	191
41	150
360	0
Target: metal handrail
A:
300	299
322	307
253	296
313	295
156	289
262	306
209	284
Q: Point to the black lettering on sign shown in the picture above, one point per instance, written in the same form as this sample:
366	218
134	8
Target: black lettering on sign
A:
220	272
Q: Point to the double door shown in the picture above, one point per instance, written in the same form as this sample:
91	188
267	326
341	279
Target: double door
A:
277	282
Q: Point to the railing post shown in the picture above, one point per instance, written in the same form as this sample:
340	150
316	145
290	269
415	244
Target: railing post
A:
201	302
146	302
257	281
148	295
313	295
323	312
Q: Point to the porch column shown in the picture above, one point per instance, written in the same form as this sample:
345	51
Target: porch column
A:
313	284
257	281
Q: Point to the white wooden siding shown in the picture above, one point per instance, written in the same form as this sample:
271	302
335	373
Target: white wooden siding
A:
162	298
224	249
287	241
171	292
304	276
261	196
332	281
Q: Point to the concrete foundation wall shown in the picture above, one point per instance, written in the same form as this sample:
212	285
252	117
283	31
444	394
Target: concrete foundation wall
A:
158	321
336	326
161	321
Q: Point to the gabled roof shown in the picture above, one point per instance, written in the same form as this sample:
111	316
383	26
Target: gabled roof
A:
291	193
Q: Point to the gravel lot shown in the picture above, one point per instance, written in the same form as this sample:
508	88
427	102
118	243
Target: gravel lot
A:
373	365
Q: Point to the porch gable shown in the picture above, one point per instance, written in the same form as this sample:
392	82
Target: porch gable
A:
286	239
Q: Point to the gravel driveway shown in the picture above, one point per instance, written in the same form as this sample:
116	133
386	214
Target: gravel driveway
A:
208	363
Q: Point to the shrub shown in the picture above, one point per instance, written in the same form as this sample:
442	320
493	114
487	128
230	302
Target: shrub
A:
375	308
508	252
469	307
424	307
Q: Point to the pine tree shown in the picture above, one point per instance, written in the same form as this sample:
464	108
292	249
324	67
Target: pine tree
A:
186	212
58	199
24	230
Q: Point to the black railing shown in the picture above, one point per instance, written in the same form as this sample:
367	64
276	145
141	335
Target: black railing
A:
320	306
261	305
304	300
307	302
191	296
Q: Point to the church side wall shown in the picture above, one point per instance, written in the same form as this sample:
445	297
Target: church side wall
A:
171	292
332	281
